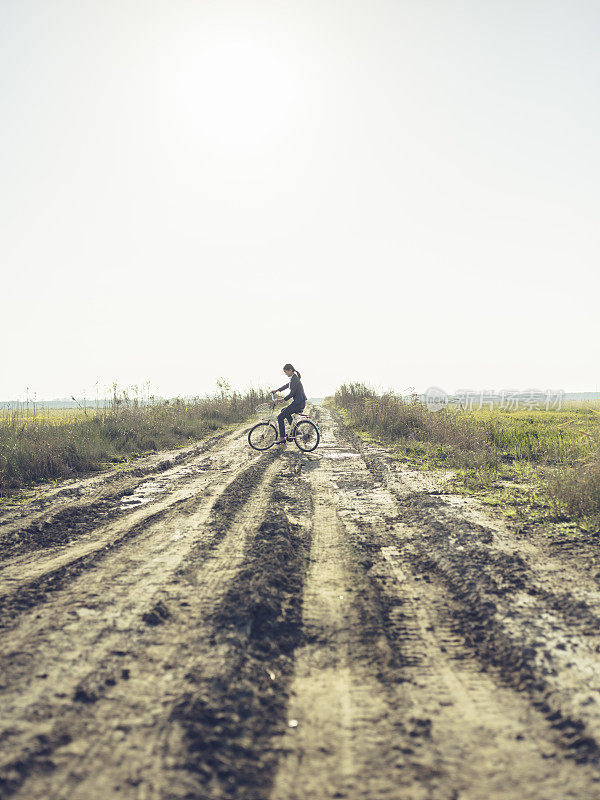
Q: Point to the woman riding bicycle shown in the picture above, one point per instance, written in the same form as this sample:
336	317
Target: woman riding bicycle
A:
296	395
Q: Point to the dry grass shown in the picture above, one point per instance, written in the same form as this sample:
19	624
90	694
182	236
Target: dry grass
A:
576	492
64	442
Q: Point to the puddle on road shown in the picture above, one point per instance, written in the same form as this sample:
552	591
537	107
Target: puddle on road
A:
142	495
339	454
152	489
145	493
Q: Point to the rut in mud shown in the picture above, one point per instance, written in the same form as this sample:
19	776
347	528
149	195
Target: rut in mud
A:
222	623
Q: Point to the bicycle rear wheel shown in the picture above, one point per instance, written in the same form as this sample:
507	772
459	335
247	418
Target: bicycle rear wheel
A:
306	435
262	436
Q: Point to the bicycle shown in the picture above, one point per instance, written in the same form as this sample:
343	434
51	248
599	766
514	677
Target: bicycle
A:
304	432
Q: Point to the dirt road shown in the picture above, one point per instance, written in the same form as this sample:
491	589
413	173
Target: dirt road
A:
221	623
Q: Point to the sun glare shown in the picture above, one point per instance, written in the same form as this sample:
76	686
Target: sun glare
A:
239	91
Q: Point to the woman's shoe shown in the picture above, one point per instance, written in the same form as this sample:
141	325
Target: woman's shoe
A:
279	441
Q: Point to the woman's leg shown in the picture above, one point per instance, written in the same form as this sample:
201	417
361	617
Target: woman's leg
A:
296	410
283	415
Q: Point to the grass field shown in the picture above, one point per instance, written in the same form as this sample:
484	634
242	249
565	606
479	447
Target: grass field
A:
50	416
536	464
56	443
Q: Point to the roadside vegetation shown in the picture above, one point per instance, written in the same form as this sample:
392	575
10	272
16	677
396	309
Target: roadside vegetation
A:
56	443
538	465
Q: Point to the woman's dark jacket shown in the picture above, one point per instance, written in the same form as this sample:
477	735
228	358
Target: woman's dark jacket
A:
296	390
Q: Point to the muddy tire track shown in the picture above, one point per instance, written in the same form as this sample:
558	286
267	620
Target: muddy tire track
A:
28	580
498	607
298	626
63	514
229	719
104	631
541	639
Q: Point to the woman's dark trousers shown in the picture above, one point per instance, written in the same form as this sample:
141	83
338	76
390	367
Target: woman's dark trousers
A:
293	408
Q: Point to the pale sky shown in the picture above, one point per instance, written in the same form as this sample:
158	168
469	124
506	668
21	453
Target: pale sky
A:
404	193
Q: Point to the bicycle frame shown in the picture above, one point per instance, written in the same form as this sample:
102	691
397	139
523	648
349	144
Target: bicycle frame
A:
296	416
299	430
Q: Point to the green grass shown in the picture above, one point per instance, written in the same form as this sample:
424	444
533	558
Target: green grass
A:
65	442
534	465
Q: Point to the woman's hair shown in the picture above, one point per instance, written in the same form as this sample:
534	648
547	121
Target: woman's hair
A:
289	366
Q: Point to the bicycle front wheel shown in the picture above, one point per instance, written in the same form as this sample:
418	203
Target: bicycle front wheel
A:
306	435
262	436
